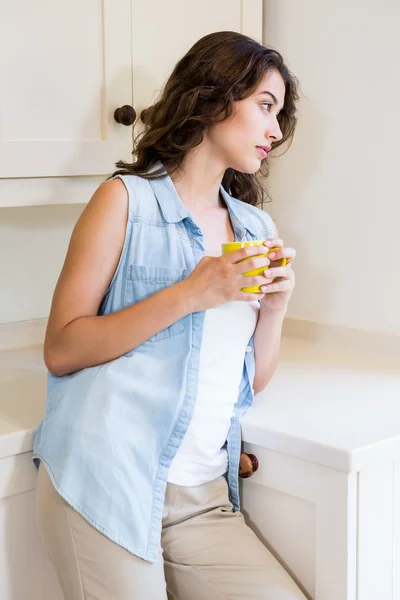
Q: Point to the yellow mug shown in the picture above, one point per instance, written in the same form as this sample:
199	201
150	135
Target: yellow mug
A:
232	246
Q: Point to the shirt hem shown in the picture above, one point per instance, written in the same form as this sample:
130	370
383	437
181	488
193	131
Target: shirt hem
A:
148	557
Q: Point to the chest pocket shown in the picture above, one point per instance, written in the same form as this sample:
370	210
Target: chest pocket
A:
145	280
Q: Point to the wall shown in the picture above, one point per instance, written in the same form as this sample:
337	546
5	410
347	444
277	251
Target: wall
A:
33	243
336	193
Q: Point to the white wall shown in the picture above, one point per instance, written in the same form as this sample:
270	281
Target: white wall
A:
336	193
33	243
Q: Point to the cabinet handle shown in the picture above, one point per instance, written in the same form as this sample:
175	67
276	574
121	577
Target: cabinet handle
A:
126	115
248	465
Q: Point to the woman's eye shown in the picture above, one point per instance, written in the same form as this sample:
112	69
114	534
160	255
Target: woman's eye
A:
268	105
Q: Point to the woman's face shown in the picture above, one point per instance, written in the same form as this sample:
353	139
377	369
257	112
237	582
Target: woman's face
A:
238	140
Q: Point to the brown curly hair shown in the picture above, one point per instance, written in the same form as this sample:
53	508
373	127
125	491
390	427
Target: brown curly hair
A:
219	69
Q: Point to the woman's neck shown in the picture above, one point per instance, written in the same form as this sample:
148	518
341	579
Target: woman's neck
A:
199	179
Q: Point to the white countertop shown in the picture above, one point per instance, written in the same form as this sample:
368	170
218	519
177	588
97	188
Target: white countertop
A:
334	409
329	407
22	398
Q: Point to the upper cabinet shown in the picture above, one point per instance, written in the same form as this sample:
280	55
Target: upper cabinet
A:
162	32
65	67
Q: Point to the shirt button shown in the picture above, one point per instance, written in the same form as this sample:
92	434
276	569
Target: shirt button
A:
248	349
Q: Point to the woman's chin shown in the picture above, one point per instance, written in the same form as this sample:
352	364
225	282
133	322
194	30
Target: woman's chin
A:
249	167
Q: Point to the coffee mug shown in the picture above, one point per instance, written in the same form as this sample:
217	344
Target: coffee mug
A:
232	246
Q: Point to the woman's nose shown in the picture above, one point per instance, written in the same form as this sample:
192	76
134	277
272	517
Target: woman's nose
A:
274	133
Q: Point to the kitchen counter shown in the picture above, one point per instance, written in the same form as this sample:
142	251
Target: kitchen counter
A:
323	405
22	398
328	406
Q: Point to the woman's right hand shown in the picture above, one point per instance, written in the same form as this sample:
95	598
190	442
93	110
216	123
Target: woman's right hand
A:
217	280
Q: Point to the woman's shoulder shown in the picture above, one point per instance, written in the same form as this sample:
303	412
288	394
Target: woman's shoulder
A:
124	186
114	185
122	181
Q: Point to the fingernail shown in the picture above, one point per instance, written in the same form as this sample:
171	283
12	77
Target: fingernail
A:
267	243
268	273
272	255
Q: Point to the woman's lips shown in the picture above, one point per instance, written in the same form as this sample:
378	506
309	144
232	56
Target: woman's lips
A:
263	151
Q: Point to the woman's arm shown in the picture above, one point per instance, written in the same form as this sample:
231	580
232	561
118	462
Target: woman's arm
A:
267	341
278	288
76	336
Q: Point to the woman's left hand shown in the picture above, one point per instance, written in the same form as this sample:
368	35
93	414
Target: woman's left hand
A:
279	281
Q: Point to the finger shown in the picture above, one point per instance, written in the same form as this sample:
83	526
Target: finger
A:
247	297
284	285
288	253
255	262
274	243
255	281
274	272
243	253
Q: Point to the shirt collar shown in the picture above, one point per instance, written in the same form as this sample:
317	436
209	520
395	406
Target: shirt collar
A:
174	210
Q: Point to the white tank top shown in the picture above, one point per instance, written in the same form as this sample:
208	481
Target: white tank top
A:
227	331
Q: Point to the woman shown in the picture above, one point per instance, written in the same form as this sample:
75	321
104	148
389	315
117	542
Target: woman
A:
154	351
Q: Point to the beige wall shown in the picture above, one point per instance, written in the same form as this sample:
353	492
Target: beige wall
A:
336	193
33	243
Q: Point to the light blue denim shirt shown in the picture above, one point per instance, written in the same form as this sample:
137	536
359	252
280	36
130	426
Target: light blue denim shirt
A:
110	432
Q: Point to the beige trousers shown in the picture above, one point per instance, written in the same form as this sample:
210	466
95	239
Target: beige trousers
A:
209	553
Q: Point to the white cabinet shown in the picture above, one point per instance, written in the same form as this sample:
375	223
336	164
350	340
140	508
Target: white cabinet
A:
326	496
307	515
337	533
25	570
66	66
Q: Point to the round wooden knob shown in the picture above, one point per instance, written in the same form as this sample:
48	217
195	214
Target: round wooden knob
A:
248	465
126	115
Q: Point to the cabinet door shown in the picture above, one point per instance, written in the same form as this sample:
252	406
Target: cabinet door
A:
26	572
64	68
162	32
